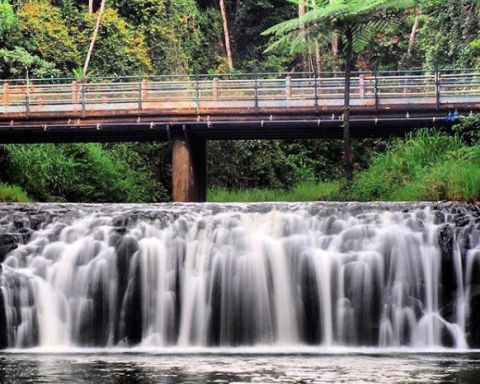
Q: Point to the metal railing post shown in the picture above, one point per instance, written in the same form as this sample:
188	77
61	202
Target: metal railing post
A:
256	92
197	93
27	97
75	95
437	88
377	96
215	88
361	85
288	87
144	90
83	96
6	93
315	90
140	92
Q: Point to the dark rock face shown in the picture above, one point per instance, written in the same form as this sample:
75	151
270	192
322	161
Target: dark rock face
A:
8	242
449	285
129	297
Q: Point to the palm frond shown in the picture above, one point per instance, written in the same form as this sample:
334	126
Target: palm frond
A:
362	17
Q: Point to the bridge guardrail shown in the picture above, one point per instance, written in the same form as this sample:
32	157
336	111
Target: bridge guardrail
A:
254	91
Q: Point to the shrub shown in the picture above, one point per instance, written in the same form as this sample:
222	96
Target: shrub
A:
301	192
13	194
398	168
79	172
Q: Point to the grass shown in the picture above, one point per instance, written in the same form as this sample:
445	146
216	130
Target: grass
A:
428	166
13	194
302	192
401	172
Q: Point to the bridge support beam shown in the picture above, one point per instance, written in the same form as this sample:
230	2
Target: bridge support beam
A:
189	173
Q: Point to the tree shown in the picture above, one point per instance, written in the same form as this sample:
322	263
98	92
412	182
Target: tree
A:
43	32
8	19
94	37
448	29
226	33
354	22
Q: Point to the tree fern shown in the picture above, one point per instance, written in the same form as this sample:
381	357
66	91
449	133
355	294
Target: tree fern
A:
354	22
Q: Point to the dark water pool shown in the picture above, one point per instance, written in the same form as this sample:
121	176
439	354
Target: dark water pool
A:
210	369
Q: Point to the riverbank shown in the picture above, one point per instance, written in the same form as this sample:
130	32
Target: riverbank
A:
427	166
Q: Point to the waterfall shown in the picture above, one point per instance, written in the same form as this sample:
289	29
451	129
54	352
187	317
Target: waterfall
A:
313	274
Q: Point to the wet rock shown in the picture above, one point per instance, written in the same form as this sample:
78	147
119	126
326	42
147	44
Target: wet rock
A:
461	220
119	221
445	240
130	294
474	321
21	223
439	218
37	220
26	234
8	242
121	230
449	284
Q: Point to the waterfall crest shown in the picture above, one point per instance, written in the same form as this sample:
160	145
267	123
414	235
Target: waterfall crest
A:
313	274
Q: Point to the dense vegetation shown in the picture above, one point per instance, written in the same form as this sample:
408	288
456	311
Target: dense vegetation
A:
427	166
147	37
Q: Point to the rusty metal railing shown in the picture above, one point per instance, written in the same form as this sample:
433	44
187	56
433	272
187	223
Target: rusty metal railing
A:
252	91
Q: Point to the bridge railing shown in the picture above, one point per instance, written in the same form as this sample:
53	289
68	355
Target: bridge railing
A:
233	91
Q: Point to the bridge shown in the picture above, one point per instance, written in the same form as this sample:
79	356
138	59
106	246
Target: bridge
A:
190	109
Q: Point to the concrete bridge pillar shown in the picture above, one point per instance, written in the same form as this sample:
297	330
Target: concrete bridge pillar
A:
189	173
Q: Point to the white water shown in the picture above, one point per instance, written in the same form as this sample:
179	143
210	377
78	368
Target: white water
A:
286	278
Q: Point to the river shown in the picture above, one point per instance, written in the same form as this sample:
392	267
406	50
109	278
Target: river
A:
137	368
179	293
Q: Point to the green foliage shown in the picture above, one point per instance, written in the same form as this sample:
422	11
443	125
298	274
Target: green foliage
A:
249	18
326	191
80	172
8	19
45	34
448	36
427	166
400	164
357	20
271	164
177	33
12	194
120	49
149	165
469	129
15	63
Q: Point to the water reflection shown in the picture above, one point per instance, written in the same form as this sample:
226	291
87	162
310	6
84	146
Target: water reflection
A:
217	369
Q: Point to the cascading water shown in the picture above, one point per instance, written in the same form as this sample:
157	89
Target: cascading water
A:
315	274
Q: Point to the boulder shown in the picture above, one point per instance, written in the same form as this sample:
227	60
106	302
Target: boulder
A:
8	242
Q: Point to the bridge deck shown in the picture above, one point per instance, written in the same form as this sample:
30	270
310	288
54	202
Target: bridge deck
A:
230	106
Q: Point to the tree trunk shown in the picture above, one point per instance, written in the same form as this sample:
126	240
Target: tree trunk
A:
334	44
90	7
226	33
94	38
347	144
318	53
301	12
318	59
411	41
307	55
